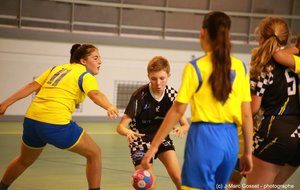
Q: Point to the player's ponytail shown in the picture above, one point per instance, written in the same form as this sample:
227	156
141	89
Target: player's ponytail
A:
218	26
72	52
273	33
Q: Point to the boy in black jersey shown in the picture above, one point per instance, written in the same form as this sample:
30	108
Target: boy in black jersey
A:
144	114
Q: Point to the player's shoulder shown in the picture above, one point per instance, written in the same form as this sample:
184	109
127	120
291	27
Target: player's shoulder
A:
238	64
171	92
170	89
141	91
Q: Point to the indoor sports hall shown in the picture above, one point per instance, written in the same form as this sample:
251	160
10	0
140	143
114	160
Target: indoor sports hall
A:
37	34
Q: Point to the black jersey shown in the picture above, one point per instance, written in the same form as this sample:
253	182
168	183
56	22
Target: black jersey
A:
278	90
147	113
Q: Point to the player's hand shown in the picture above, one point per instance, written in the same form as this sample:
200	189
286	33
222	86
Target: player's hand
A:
147	158
131	136
180	131
112	112
2	109
246	164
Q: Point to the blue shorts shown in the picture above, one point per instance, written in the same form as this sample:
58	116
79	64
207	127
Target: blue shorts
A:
37	134
211	152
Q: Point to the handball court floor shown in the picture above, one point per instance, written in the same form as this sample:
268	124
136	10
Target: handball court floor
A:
56	169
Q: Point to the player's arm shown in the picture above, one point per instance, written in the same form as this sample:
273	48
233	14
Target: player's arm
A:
101	100
123	130
183	128
20	94
255	104
285	57
174	114
246	164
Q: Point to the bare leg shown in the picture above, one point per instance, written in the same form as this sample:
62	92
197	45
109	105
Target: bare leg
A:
263	173
170	161
17	166
234	182
91	151
285	173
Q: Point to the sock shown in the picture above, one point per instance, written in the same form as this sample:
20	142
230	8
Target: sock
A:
3	186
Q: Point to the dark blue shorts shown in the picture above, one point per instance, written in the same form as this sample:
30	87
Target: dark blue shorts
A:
37	134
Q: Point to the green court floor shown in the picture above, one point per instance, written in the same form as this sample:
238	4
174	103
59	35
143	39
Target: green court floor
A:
62	170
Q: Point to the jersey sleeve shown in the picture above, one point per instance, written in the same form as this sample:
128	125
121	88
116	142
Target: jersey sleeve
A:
43	77
132	106
189	84
259	85
297	64
89	83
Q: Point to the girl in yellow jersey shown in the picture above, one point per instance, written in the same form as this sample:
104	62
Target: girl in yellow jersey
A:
217	88
48	119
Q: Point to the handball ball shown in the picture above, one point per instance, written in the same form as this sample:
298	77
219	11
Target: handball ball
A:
142	179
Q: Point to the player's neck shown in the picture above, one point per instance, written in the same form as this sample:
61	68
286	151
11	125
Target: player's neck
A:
157	95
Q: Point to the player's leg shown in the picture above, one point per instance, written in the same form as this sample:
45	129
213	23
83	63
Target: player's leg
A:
234	182
170	161
263	173
17	166
285	173
91	151
229	161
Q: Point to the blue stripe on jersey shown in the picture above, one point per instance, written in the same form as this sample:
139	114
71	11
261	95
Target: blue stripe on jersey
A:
80	80
232	76
194	63
245	68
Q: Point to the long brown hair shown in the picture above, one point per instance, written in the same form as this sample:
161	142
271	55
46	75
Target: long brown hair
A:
218	27
272	32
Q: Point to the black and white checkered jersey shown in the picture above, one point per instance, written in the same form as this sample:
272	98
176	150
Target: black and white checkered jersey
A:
147	113
278	90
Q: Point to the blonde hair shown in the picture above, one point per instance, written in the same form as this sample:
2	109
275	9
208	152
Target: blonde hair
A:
273	33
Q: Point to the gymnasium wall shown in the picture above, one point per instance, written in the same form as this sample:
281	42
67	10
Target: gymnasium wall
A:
22	60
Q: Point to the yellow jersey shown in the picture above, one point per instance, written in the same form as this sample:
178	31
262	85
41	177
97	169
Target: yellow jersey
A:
63	87
297	64
196	90
297	70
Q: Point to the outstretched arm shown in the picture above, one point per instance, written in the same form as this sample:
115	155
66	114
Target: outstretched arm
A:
20	94
101	100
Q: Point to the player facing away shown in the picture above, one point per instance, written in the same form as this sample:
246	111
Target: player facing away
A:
48	119
276	154
144	114
218	90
